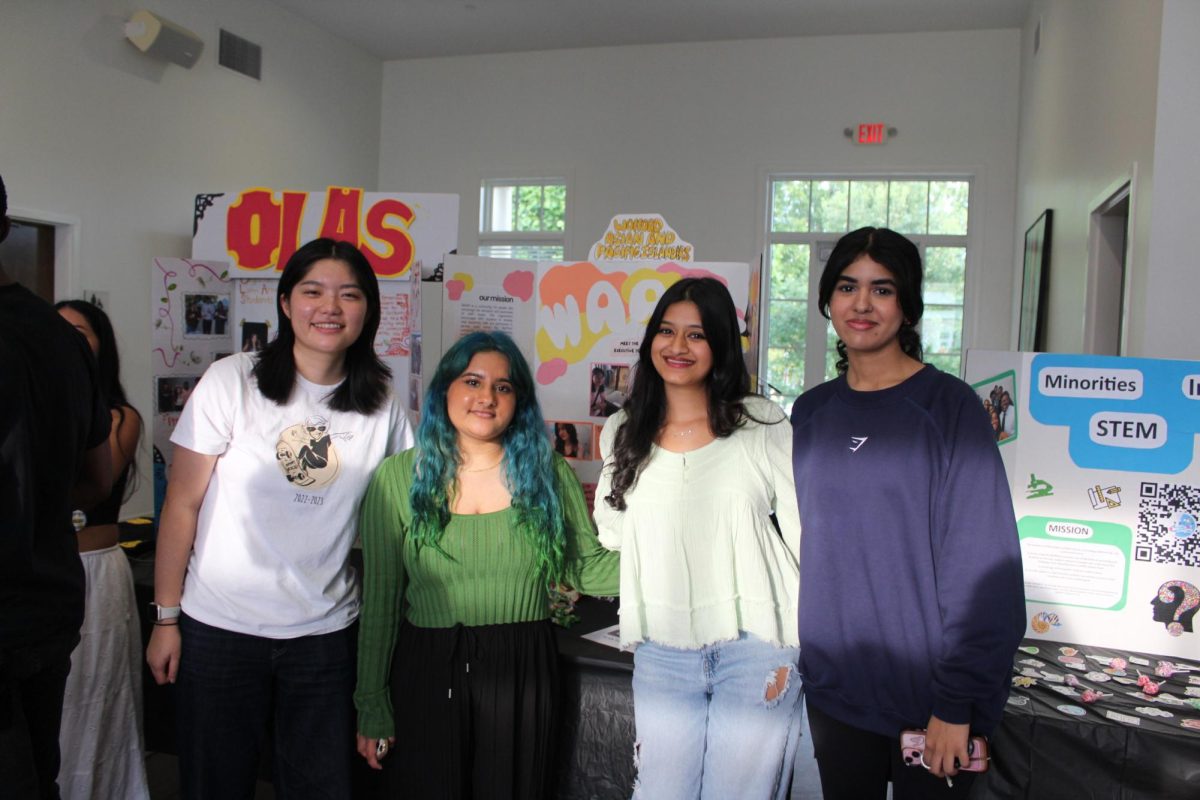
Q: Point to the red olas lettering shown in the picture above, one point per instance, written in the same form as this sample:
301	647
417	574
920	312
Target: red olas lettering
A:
397	252
263	231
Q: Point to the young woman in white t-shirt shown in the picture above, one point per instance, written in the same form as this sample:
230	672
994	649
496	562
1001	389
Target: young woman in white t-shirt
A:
694	468
256	599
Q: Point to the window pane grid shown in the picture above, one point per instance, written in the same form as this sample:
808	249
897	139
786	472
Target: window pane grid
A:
523	218
532	252
803	211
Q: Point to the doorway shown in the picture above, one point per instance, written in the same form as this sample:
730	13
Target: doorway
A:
28	257
1107	278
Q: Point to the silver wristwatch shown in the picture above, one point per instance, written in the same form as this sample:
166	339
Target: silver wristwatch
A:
163	613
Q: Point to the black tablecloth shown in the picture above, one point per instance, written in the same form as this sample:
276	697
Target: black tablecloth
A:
1127	745
596	748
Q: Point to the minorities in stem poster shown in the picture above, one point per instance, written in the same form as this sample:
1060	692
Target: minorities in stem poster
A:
1101	454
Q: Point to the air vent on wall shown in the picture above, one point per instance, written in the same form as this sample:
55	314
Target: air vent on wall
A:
240	55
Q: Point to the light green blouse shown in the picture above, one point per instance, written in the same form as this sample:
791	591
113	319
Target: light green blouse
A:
701	561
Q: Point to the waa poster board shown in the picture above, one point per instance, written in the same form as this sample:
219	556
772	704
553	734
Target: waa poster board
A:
1101	454
579	325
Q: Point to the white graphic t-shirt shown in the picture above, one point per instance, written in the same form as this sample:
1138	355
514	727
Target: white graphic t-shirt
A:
279	516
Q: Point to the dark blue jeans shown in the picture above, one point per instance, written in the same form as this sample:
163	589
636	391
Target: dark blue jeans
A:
232	688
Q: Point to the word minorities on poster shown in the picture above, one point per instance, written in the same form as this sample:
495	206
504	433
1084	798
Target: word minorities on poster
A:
1121	384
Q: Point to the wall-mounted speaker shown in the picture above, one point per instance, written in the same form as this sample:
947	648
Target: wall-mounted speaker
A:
163	39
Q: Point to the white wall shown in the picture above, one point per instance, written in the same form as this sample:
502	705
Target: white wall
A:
93	130
1088	104
691	130
1172	275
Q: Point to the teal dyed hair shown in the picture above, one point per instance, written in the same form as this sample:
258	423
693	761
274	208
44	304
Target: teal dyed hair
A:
528	455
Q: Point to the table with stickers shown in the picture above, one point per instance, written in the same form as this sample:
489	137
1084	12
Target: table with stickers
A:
1092	722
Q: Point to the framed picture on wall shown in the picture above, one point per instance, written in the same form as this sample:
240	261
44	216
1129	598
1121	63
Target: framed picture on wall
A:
1035	280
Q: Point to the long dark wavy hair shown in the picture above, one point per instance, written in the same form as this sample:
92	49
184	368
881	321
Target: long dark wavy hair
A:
727	383
108	373
368	379
528	457
901	258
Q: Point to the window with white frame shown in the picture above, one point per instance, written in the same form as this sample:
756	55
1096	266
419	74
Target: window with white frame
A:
523	218
805	218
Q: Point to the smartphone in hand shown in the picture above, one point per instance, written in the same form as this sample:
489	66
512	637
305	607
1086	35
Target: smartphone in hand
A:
912	750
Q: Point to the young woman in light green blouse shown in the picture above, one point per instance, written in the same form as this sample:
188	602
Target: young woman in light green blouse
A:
462	537
694	468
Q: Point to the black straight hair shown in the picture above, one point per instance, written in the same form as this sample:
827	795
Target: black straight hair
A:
108	373
368	379
727	383
900	257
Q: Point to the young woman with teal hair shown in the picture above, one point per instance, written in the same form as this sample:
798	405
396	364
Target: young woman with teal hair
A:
462	537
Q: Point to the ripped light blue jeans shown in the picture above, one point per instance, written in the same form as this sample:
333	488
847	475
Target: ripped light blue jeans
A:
716	723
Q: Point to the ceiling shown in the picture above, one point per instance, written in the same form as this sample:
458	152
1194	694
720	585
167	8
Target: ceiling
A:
399	29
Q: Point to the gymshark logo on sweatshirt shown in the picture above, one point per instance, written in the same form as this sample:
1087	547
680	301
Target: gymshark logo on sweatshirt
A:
857	442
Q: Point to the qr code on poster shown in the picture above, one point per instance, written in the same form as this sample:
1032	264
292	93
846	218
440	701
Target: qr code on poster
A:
1166	531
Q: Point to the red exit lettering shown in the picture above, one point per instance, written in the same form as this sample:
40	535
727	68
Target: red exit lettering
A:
872	133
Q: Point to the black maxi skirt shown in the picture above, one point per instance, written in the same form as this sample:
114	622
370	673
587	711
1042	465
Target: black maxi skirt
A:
476	712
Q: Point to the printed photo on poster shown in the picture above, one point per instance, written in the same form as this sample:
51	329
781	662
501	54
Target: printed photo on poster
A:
999	397
609	389
205	314
254	336
572	439
173	393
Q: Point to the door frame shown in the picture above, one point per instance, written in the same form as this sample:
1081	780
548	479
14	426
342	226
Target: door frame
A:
66	247
1119	191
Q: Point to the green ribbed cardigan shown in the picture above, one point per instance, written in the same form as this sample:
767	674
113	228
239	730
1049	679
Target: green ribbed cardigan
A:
490	577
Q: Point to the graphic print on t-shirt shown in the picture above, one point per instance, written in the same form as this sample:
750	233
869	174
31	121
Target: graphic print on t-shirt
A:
306	453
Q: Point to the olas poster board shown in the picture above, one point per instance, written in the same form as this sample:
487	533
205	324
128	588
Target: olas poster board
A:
256	230
1102	459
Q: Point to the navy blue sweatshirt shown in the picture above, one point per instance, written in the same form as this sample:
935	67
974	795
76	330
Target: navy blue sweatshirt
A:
911	593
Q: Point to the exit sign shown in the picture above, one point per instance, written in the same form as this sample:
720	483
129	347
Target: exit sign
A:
871	133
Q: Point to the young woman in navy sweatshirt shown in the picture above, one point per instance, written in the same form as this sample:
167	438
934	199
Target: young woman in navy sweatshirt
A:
911	593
